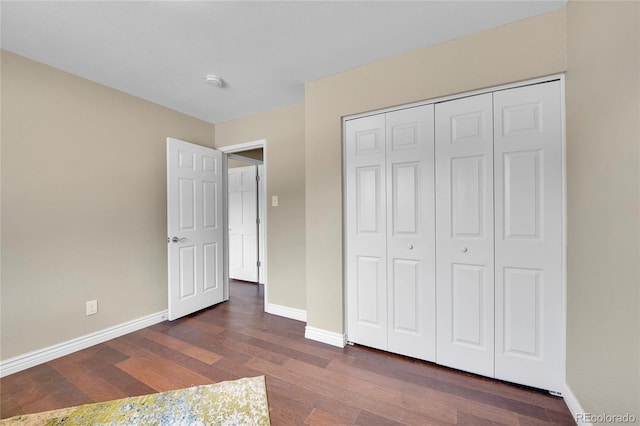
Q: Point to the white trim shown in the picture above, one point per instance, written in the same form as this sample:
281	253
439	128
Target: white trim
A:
574	405
260	143
262	235
456	96
324	336
287	312
563	330
31	359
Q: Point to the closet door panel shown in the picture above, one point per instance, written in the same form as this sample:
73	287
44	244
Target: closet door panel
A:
464	234
410	232
528	245
366	231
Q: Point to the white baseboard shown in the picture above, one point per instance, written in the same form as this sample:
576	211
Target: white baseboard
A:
324	336
574	406
287	312
31	359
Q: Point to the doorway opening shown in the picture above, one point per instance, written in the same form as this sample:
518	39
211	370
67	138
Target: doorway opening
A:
247	221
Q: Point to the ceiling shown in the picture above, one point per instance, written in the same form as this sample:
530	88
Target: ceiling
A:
265	51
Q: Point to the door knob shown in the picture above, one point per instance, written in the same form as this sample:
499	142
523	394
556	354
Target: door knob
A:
464	249
178	240
410	246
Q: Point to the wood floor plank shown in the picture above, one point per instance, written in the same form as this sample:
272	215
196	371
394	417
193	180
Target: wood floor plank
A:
58	387
308	383
467	419
427	393
128	384
447	387
355	393
324	351
91	384
367	418
319	417
9	407
193	351
162	376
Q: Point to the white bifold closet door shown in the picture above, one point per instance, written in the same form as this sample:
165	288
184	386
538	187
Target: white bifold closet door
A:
464	234
499	235
366	240
390	231
454	233
528	235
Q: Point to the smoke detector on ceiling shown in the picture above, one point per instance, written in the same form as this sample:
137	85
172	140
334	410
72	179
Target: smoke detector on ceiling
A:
214	80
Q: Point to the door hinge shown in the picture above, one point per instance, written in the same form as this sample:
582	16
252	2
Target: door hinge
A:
257	178
259	263
258	221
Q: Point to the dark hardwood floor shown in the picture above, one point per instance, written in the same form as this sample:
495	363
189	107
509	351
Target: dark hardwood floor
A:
308	383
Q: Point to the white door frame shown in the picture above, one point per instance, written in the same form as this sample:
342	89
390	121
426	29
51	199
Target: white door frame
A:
257	144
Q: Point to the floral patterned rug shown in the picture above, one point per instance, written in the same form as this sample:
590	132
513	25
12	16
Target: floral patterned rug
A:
232	403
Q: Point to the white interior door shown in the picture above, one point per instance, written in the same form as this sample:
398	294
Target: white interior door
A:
528	242
464	234
366	210
196	227
243	225
410	232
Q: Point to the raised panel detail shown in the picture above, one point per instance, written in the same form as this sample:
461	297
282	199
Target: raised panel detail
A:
249	258
467	127
467	304
247	177
405	198
186	160
186	200
235	250
209	205
368	199
210	266
367	142
522	314
248	208
235	179
522	194
235	207
466	196
209	164
406	295
522	119
405	136
187	277
367	282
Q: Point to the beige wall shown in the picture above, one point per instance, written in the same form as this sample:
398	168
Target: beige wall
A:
83	204
603	178
522	50
283	128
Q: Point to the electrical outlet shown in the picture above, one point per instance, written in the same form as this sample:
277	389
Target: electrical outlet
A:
92	307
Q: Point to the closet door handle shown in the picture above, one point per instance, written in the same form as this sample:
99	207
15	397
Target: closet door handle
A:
464	249
410	246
